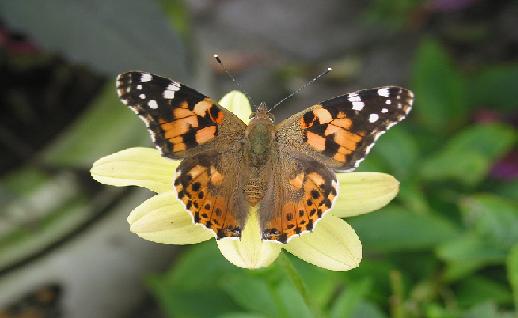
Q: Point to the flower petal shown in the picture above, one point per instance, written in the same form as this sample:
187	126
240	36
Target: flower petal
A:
250	251
332	245
363	192
238	103
162	219
143	167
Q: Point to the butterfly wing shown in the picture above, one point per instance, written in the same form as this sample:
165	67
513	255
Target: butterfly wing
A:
301	191
336	134
182	122
210	185
341	131
185	124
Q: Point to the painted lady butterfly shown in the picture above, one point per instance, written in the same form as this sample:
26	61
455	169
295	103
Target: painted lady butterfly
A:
288	169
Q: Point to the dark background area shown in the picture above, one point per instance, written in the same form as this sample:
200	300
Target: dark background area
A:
447	246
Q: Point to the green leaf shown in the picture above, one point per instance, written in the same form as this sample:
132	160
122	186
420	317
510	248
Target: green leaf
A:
495	87
477	289
493	218
195	280
251	293
468	155
508	190
367	310
292	302
109	36
512	272
349	299
316	278
469	168
191	270
241	315
484	310
395	229
467	253
399	150
178	302
439	89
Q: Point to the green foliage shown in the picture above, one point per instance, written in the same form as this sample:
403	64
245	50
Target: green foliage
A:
389	230
467	156
439	88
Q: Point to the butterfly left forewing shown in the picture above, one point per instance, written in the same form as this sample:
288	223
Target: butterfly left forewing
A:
181	121
185	124
341	131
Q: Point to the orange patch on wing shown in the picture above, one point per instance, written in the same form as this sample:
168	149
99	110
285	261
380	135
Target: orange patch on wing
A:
215	177
316	141
205	134
316	178
297	181
331	129
347	139
342	122
323	115
179	147
179	126
339	156
182	112
202	107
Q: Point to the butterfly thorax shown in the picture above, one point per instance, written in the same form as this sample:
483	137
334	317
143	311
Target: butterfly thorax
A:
259	146
260	135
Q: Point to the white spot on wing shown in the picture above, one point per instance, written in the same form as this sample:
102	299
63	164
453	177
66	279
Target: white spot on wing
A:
358	105
388	102
354	98
384	110
383	92
171	88
373	118
142	96
146	77
152	104
139	86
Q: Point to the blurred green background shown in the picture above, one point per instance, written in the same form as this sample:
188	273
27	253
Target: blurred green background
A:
447	246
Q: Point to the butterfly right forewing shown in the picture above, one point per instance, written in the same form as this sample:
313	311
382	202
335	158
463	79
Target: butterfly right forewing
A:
341	131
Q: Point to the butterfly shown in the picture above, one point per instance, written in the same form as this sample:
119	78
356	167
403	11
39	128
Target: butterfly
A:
286	169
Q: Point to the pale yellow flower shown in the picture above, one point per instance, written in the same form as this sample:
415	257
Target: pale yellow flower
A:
333	244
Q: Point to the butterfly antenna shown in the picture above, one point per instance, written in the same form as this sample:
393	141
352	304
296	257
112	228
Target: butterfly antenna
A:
301	88
216	56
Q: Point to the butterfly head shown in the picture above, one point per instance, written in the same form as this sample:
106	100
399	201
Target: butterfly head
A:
262	113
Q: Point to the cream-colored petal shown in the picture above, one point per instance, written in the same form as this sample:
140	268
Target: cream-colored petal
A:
238	103
143	167
332	245
162	219
250	251
363	192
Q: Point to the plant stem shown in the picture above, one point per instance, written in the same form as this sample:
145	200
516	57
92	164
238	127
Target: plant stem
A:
299	284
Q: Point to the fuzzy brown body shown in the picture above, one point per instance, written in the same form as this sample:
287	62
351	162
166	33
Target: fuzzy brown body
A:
286	170
258	147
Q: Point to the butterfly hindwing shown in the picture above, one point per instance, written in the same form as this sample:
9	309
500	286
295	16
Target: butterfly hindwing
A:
180	119
302	190
210	187
341	131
